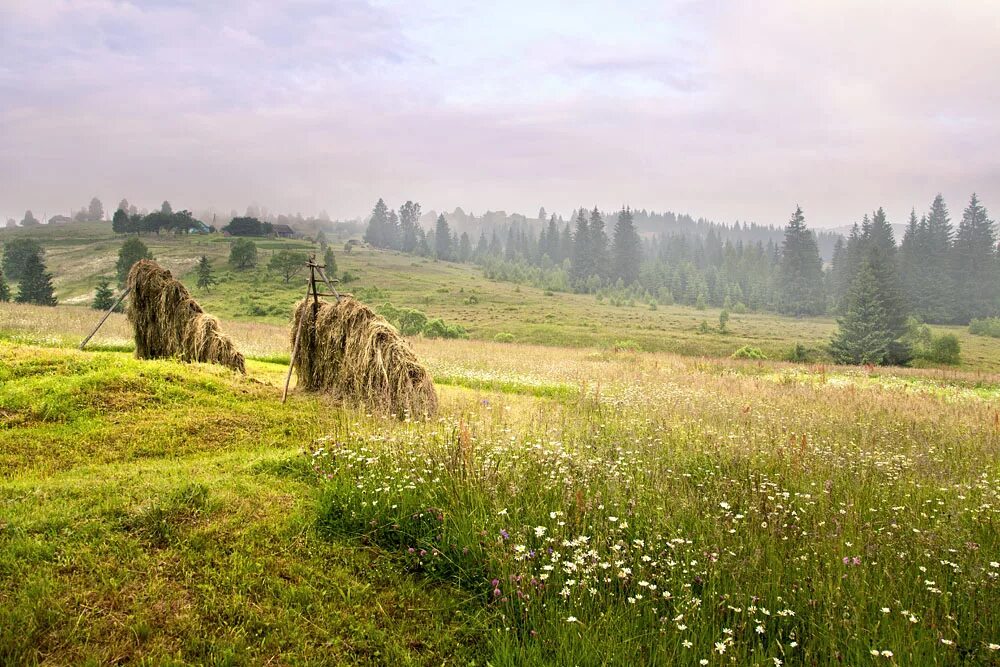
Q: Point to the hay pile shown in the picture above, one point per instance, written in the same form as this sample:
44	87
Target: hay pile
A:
168	323
348	349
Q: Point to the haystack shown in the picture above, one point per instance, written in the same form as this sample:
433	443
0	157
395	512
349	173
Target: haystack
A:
168	323
349	350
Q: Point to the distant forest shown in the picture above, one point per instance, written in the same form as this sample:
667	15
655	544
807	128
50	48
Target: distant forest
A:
940	272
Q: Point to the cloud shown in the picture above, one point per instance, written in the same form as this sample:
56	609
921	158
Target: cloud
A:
732	111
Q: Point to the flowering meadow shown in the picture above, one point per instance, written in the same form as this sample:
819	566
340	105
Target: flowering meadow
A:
652	509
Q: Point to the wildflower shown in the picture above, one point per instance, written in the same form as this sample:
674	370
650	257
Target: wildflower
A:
993	647
777	662
885	610
886	654
539	531
759	629
720	647
947	642
703	662
571	619
686	644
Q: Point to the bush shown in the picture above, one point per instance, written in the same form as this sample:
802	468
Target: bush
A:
504	338
438	329
987	326
802	354
348	277
747	352
946	349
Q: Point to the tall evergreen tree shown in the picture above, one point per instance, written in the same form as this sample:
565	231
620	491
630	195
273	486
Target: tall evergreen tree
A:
206	277
104	297
131	252
409	221
801	270
627	248
35	285
880	253
600	253
329	263
442	239
975	267
377	232
4	289
864	336
933	277
582	254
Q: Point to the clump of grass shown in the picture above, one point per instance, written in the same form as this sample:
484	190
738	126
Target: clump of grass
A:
167	322
348	349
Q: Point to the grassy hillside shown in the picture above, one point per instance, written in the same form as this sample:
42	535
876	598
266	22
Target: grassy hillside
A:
79	254
569	506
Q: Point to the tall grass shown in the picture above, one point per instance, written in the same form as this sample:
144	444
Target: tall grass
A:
689	514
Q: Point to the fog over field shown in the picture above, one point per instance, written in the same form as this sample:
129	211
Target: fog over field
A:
731	112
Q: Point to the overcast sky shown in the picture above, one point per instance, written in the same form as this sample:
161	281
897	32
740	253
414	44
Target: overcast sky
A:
728	110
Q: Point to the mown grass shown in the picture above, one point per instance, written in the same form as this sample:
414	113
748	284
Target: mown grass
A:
156	513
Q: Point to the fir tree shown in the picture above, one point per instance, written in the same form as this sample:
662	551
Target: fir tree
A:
581	258
442	239
131	252
600	253
801	270
864	335
377	232
932	274
104	297
627	248
35	285
4	289
975	268
206	277
329	263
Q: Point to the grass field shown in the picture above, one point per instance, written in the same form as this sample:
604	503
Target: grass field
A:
78	255
573	502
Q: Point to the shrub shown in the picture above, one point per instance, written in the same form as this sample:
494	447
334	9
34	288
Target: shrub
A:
748	352
438	329
704	328
987	326
504	337
945	349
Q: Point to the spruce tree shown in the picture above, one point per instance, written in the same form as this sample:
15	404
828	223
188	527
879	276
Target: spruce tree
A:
131	252
442	239
206	277
627	249
35	285
4	289
329	263
879	248
600	253
581	263
801	270
377	232
975	268
864	336
933	275
104	297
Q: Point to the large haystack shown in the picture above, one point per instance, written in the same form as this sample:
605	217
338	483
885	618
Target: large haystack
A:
168	323
348	349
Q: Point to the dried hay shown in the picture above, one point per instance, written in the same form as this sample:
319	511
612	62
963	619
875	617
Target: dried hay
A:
356	354
168	323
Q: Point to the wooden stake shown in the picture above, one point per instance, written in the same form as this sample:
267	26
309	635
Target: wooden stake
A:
322	274
103	319
295	348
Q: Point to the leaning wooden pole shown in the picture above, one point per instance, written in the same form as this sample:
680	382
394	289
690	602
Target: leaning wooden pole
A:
295	348
106	316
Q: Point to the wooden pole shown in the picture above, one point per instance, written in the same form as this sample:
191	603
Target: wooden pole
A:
103	319
295	348
322	274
